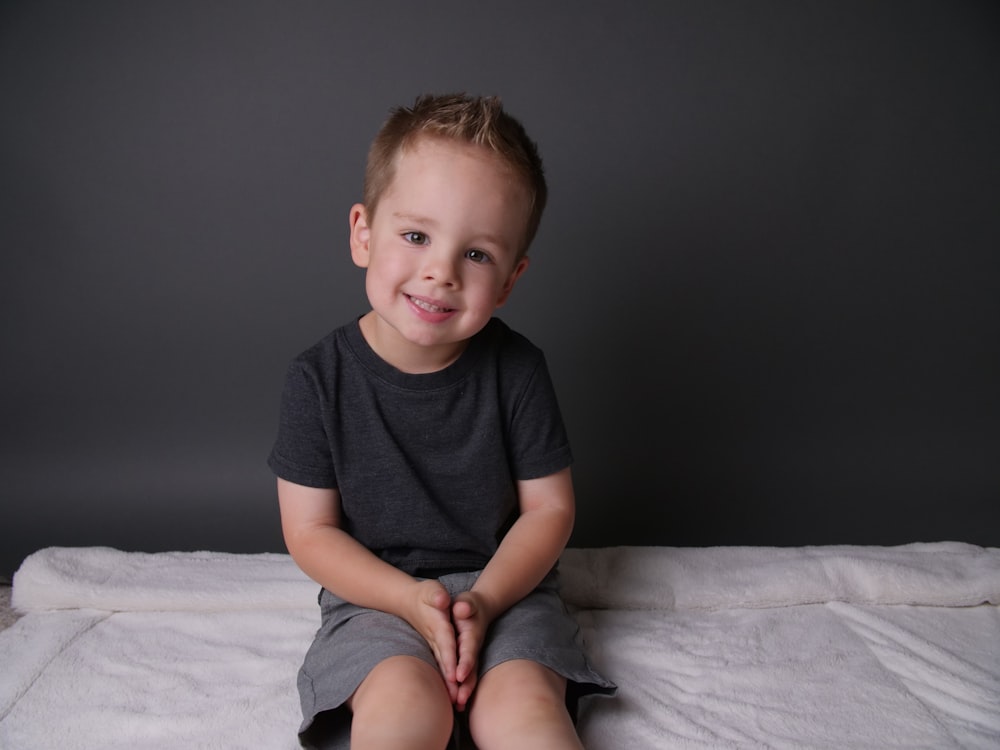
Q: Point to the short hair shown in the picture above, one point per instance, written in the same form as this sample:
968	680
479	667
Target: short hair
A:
481	121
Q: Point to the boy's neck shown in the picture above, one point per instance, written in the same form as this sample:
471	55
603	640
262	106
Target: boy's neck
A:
405	356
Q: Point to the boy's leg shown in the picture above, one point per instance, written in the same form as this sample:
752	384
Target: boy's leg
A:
403	702
521	705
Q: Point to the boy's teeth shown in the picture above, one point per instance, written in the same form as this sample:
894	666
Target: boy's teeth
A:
427	306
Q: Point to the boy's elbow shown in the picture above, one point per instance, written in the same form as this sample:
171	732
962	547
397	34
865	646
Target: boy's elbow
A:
292	541
301	538
568	520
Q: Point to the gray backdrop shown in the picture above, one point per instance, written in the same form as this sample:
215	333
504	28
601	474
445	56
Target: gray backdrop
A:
767	283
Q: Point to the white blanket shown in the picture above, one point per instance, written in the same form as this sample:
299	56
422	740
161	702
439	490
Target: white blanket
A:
816	647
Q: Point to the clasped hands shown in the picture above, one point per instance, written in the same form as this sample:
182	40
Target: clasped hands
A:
455	630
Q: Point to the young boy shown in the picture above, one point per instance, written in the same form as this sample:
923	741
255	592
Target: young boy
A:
423	467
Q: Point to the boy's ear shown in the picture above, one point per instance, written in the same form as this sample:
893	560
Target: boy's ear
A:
508	287
360	235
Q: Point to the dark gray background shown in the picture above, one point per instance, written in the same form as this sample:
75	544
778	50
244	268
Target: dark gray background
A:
767	283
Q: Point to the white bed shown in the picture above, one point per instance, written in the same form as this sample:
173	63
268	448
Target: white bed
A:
812	647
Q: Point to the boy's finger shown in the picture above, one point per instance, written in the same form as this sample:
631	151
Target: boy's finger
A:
436	596
445	649
463	609
465	691
468	654
448	671
440	600
453	691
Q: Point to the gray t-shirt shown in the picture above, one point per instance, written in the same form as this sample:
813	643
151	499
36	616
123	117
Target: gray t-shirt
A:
425	464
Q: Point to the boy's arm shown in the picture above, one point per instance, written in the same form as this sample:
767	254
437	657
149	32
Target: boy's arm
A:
533	545
311	525
525	556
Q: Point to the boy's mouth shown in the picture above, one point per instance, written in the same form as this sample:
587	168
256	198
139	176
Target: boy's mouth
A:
428	306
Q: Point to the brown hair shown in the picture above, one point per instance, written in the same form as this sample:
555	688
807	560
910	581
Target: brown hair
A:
477	120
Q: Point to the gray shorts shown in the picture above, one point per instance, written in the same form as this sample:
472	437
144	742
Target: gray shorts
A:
352	640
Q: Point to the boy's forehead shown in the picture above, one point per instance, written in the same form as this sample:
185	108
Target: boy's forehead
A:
420	158
441	148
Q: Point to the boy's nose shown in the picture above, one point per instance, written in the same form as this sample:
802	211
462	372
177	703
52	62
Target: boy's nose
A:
440	268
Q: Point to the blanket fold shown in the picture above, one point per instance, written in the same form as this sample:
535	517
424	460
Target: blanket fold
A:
109	579
943	574
946	574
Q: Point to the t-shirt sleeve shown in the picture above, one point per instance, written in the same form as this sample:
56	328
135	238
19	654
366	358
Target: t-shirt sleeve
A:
539	444
301	452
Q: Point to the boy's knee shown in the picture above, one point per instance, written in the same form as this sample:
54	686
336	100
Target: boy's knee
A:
519	695
400	679
402	696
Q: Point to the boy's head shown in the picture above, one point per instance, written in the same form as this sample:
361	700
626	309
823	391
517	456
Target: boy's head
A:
477	120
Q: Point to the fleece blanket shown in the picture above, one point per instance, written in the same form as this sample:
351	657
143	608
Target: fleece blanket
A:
812	647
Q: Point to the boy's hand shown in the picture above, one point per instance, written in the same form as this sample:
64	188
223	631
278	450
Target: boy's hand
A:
472	618
428	612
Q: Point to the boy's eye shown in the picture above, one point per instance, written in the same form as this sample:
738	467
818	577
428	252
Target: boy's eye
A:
415	238
477	256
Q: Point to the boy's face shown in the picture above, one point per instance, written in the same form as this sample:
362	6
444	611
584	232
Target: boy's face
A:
441	252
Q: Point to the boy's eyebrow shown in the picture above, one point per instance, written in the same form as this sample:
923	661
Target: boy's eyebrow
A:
414	218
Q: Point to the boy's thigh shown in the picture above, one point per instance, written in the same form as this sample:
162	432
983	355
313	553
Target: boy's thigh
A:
351	643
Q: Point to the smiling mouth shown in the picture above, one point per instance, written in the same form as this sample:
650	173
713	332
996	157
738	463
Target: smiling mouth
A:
431	308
